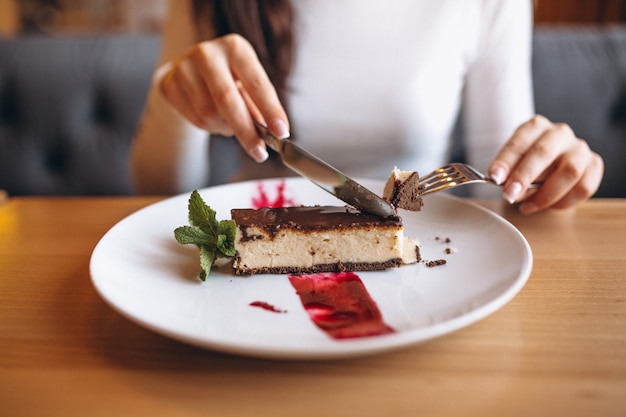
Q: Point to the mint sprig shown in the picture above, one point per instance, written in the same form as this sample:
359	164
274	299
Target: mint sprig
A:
216	239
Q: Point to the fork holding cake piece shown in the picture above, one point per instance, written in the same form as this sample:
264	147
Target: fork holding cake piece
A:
402	190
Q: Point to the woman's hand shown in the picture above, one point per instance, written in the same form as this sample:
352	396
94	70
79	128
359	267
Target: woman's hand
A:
540	150
217	84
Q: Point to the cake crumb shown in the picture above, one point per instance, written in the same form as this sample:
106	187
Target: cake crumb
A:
436	262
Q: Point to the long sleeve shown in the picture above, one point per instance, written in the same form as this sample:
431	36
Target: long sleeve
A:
498	91
169	154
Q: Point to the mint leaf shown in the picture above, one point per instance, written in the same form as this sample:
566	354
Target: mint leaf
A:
186	235
215	239
227	230
201	215
207	258
225	247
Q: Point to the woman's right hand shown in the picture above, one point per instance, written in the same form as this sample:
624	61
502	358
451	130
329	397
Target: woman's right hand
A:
218	84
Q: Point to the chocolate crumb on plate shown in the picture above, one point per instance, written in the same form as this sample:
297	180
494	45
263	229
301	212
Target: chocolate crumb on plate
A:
436	262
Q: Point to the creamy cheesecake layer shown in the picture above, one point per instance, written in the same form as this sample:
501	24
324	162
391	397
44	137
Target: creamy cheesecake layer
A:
316	239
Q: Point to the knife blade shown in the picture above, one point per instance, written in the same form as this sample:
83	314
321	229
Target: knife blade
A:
326	176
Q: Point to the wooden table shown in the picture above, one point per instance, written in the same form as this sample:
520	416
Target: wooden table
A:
557	349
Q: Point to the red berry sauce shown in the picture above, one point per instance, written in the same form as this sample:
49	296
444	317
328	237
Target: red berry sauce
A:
263	200
339	304
267	306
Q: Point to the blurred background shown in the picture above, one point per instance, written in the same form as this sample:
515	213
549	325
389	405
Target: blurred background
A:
55	16
74	76
63	16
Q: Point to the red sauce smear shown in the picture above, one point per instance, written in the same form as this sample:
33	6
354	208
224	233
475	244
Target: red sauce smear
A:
267	306
339	304
263	200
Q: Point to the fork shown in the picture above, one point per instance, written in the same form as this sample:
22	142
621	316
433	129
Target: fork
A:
453	175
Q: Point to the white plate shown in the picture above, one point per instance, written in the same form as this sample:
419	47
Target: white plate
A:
143	273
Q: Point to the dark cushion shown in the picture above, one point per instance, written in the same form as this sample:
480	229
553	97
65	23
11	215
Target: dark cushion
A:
68	109
580	79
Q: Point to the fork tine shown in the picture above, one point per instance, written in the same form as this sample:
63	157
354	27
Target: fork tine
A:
447	176
443	179
444	173
428	190
439	172
437	184
453	175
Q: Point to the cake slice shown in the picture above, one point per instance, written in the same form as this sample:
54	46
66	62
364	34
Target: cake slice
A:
402	190
318	239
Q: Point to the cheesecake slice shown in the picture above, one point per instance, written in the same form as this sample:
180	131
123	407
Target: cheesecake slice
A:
318	239
402	190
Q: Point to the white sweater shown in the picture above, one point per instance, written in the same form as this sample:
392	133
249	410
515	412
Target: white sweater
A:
376	84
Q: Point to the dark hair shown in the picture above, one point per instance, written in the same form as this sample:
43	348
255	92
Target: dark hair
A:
266	24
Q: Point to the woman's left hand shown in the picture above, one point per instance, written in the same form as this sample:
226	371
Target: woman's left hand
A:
541	150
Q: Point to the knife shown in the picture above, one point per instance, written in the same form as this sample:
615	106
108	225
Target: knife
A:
326	176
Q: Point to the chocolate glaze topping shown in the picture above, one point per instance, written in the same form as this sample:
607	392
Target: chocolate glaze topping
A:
309	218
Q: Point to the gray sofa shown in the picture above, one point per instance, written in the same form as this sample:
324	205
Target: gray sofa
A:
580	78
68	110
69	106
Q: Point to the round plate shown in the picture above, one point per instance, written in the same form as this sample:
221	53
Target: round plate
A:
142	272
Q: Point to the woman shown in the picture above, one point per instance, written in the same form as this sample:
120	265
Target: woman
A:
364	84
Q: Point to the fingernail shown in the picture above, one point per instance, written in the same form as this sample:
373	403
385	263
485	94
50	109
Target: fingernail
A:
512	192
279	128
528	208
498	175
259	153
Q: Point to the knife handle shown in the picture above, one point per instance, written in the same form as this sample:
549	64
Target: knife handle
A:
271	140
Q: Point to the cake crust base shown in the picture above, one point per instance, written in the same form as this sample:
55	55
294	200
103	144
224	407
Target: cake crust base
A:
333	267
